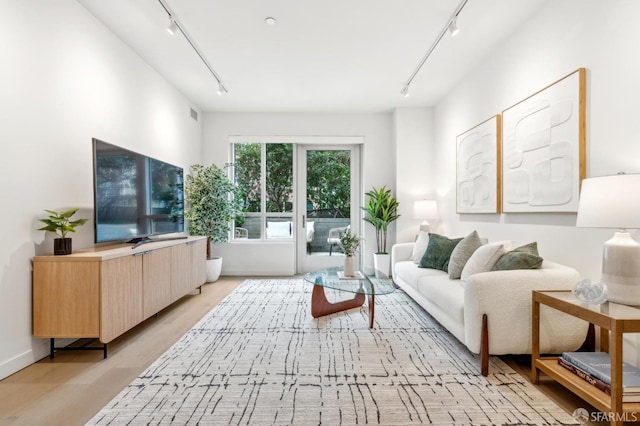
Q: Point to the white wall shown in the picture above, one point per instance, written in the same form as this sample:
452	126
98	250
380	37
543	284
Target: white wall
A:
603	37
564	36
378	159
413	134
65	79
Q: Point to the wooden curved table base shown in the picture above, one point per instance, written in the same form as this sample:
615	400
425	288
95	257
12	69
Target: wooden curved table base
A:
320	306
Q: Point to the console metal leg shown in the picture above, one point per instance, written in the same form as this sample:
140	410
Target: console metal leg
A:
84	347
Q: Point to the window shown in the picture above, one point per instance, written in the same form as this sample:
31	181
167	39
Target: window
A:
264	175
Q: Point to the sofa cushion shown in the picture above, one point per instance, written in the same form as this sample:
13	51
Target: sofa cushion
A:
461	254
420	246
485	257
523	257
278	229
444	292
438	252
408	272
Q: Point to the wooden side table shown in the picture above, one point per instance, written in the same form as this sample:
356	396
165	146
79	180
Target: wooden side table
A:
613	320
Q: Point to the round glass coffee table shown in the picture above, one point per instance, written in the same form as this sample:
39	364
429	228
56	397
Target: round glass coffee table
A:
365	285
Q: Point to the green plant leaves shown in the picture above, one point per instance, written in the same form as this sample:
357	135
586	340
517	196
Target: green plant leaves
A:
60	223
381	209
349	242
211	202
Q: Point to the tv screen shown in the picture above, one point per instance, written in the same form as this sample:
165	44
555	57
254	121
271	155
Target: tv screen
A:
135	196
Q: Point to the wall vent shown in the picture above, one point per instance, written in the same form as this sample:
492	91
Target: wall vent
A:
194	114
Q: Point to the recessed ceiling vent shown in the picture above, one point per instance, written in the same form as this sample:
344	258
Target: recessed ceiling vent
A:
194	114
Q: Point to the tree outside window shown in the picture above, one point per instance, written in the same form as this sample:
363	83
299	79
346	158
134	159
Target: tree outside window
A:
328	184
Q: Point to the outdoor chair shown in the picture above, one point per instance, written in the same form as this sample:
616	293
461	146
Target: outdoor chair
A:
311	233
333	239
241	233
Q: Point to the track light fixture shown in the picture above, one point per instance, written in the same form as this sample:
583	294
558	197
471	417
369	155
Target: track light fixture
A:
453	27
175	26
450	23
221	89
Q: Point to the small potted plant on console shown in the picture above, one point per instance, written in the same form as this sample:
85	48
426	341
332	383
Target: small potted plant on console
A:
61	224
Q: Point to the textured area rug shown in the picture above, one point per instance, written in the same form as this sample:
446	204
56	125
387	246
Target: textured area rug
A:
260	358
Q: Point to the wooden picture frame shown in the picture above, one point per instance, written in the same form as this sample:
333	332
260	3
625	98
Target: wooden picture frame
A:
478	168
544	148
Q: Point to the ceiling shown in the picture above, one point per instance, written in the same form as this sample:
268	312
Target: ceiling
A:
320	56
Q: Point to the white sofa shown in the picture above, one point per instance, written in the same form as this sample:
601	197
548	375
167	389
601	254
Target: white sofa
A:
499	299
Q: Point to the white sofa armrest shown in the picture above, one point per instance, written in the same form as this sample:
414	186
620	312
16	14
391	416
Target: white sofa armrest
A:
505	296
400	252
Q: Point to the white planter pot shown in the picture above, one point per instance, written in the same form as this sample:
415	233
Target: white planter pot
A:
348	266
214	267
381	263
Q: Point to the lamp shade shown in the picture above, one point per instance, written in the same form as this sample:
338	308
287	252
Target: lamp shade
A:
425	209
610	202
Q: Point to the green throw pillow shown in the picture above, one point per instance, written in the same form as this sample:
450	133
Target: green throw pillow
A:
461	254
524	257
438	252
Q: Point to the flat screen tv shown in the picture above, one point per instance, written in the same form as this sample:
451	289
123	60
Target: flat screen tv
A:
135	196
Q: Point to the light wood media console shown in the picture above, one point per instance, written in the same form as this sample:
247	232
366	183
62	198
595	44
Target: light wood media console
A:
103	292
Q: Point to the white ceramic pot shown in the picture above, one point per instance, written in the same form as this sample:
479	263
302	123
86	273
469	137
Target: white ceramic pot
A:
348	266
381	263
214	267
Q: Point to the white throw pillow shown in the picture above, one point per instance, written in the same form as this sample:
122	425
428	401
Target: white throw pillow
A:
420	247
483	259
279	229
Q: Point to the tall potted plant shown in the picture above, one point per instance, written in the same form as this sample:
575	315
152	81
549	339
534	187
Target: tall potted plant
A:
381	209
211	207
61	224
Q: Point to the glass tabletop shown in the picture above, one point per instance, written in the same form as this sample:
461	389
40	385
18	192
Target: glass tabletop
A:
369	284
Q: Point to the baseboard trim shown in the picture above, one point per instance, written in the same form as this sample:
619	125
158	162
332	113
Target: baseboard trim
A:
20	361
38	351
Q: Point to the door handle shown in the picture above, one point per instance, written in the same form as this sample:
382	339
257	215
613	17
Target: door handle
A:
304	222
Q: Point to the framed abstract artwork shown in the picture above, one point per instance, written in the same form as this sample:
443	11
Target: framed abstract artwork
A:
543	148
478	168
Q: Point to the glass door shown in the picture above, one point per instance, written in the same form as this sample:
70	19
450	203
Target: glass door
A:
328	203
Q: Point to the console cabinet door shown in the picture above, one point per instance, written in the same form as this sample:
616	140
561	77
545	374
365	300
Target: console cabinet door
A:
121	296
156	281
180	271
66	298
198	262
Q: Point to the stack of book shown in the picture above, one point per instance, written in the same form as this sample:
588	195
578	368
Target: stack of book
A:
595	368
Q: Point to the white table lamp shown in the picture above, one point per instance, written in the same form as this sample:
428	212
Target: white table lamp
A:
614	202
425	209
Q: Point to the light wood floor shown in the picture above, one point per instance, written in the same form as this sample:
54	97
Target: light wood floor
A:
74	386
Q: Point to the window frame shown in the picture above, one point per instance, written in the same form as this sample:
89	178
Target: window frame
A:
263	214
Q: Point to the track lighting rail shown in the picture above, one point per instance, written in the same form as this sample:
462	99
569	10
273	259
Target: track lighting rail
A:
452	19
174	23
